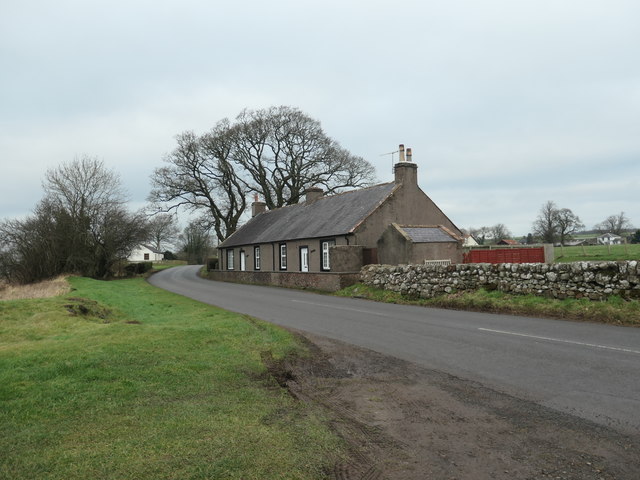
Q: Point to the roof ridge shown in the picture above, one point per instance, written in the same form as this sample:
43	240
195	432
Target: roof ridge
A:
326	197
444	229
327	216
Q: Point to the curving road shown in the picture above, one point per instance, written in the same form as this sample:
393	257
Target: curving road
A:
588	370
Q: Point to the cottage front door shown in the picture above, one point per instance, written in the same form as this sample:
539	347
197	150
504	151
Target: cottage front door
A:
243	265
304	259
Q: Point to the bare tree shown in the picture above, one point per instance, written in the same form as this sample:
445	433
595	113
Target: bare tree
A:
277	153
163	231
614	224
199	176
568	223
284	151
81	226
499	232
556	224
101	231
480	234
114	235
546	224
35	248
196	242
83	187
529	239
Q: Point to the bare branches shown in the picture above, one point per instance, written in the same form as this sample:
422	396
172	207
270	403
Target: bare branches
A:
545	225
199	176
568	223
163	231
487	235
283	152
278	153
195	242
81	226
83	186
614	224
500	232
556	224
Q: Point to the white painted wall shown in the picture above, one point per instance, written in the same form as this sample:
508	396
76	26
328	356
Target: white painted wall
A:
138	255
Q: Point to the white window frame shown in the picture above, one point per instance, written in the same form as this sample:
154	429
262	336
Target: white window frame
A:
283	256
325	245
304	248
243	261
230	259
256	258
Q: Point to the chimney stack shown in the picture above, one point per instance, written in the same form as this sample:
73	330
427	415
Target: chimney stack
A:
313	194
406	172
257	206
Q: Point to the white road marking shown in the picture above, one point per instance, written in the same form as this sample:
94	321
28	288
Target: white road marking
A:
572	342
341	308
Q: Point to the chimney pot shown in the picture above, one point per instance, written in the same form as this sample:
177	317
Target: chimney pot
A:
406	172
401	149
313	194
257	206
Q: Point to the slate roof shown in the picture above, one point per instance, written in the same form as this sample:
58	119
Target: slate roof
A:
153	249
428	234
609	235
326	217
508	241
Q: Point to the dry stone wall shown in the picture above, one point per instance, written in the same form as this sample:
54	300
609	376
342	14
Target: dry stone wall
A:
593	280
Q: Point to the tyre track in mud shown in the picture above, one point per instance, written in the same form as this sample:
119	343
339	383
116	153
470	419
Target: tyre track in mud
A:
402	421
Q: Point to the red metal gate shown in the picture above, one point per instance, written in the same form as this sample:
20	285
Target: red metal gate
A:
505	255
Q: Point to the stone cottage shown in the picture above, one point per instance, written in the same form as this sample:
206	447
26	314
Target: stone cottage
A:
337	233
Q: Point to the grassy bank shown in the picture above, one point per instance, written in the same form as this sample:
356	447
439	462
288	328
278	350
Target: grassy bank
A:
46	288
614	311
122	380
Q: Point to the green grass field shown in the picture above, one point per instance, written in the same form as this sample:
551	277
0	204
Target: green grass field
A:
140	383
597	253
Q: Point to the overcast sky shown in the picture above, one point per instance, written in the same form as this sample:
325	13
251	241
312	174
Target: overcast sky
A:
505	103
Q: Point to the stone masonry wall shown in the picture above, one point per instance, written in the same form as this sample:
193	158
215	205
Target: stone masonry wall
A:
326	281
593	280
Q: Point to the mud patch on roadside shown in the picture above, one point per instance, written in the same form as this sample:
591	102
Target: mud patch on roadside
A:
402	421
83	307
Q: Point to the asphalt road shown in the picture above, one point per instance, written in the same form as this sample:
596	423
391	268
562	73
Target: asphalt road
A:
585	369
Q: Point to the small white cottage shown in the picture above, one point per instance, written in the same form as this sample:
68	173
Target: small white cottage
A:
145	253
610	239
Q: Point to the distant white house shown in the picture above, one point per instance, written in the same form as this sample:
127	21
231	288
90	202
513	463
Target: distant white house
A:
469	241
609	239
144	253
576	243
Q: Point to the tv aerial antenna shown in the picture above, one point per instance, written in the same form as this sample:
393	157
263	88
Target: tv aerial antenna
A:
392	154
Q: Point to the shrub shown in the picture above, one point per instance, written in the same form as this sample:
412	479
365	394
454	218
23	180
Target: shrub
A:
212	263
168	255
138	268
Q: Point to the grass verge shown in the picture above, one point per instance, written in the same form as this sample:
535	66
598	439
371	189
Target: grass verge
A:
615	311
123	380
164	264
